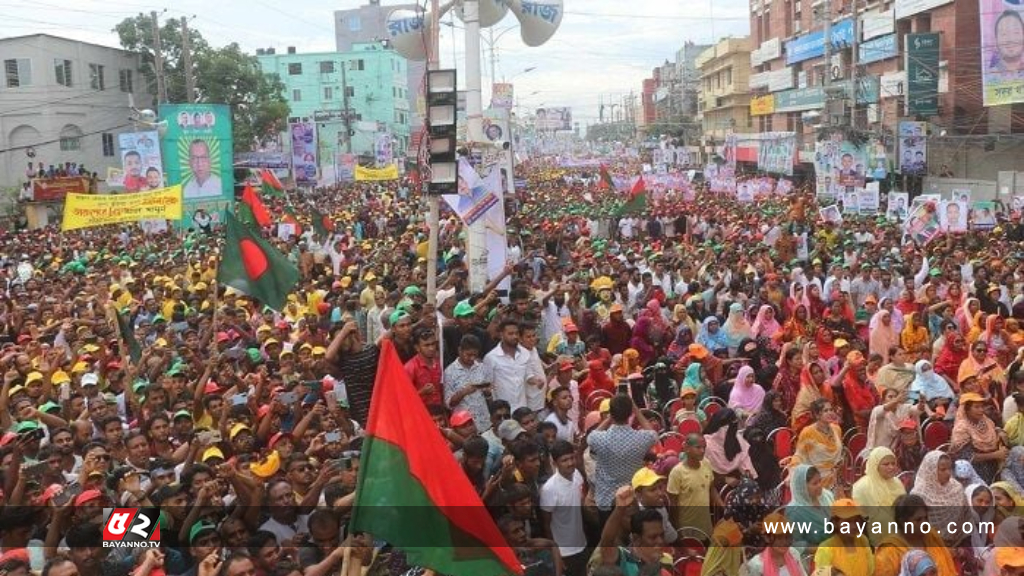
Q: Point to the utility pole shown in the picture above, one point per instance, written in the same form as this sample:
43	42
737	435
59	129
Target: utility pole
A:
346	115
186	57
827	7
854	57
493	59
158	61
433	200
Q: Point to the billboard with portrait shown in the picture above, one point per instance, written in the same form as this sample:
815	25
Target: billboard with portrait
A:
198	154
141	161
1002	51
554	119
840	166
913	148
304	148
776	152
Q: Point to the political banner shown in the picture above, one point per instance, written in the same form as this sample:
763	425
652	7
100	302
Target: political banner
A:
501	96
90	210
197	155
141	161
897	206
983	215
55	189
115	177
383	149
776	152
730	149
363	174
476	194
553	119
831	214
347	167
922	224
839	166
953	215
868	200
304	152
922	65
913	148
1002	45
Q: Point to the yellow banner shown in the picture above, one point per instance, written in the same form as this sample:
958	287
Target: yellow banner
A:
375	175
762	105
88	210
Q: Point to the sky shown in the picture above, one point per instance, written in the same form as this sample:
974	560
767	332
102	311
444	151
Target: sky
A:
603	49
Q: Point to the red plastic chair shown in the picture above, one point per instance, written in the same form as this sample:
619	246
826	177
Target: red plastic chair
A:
936	434
907	478
689	426
691	546
654	418
688	566
856	443
670	409
782	440
595	398
784	492
672	441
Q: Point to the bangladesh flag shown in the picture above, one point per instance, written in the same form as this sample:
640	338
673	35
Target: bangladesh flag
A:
322	224
254	267
412	492
637	198
251	210
269	183
606	179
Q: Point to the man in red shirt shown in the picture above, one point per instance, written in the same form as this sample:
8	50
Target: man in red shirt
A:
424	369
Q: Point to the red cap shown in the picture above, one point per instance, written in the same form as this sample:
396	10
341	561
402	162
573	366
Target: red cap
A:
565	366
461	418
263	411
87	496
277	438
570	327
908	424
223	337
211	387
7	438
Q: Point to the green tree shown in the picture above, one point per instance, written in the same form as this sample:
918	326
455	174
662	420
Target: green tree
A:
223	75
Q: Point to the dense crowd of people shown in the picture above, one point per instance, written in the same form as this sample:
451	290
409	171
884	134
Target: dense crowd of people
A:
652	392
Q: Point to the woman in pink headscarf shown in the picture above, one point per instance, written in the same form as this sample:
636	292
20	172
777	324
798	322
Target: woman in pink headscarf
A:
651	333
765	325
747	395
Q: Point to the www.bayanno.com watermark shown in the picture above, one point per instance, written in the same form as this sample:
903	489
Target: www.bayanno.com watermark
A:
870	528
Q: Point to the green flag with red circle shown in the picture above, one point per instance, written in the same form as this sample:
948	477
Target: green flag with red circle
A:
252	266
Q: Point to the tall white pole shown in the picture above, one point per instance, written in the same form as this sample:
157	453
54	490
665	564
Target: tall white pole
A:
433	200
476	247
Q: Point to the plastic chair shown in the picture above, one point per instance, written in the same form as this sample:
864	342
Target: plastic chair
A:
691	546
784	492
709	401
936	434
672	441
670	409
688	566
689	426
782	440
654	418
907	478
595	398
856	443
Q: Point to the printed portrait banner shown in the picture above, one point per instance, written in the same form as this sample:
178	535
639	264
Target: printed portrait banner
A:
115	177
913	148
364	174
501	95
953	216
141	161
897	206
553	119
983	215
477	195
776	152
868	199
922	224
89	210
304	152
1002	36
197	152
839	166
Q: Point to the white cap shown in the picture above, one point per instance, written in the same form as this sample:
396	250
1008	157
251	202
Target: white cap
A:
90	379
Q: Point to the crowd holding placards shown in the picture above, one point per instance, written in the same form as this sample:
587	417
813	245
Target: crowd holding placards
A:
654	389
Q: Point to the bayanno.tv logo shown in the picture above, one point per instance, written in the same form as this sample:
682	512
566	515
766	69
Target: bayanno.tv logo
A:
131	528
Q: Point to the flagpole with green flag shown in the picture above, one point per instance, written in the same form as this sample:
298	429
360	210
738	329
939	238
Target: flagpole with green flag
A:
412	492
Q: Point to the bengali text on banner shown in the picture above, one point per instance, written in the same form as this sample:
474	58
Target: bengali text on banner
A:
89	210
376	174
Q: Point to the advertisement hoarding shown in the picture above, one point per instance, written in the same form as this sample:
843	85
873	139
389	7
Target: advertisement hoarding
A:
1002	67
922	74
554	119
304	152
141	161
197	153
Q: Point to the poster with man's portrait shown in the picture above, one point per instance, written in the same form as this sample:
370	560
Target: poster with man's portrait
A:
953	215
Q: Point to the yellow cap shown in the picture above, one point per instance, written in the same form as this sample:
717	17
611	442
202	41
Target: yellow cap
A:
605	406
1010	556
33	377
60	377
319	351
645	477
80	367
212	452
846	509
236	429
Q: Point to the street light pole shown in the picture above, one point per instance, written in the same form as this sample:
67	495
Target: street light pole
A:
433	200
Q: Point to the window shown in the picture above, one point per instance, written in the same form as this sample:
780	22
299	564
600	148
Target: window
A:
328	93
18	72
355	64
355	24
728	76
70	143
96	77
124	80
327	67
108	144
62	70
350	91
295	68
296	95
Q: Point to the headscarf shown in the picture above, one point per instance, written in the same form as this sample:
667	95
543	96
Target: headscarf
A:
801	507
768	418
947	363
762	456
874	491
713	342
963	316
882	337
768	562
916	563
794	327
681	317
808	394
965	473
726	451
736	326
725	555
746	398
979	540
684	337
763	325
1014	494
981	435
630	363
929	384
896	316
913	337
740	507
945	501
1014	470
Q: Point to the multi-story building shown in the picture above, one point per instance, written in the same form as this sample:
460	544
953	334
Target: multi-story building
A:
688	76
368	23
724	98
61	101
353	96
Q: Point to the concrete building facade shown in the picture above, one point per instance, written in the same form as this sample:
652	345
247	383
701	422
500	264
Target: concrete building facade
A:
724	98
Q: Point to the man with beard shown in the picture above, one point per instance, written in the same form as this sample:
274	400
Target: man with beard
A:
285	521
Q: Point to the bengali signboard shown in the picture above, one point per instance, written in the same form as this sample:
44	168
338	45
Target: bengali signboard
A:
55	189
1002	43
776	151
813	45
140	159
906	8
877	24
554	119
197	153
259	160
762	105
881	48
88	210
894	85
922	74
779	80
363	174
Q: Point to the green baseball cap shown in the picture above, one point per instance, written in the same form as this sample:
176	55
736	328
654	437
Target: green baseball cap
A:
198	528
182	414
26	426
397	316
463	308
50	405
412	291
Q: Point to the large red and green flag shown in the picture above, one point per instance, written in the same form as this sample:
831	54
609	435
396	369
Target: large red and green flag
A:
413	494
637	201
322	224
251	210
254	267
290	217
269	183
606	182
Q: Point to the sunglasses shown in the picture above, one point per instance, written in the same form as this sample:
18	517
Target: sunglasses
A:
980	349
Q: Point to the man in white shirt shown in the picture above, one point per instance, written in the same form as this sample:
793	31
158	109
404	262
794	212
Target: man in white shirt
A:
561	505
509	365
203	183
285	521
